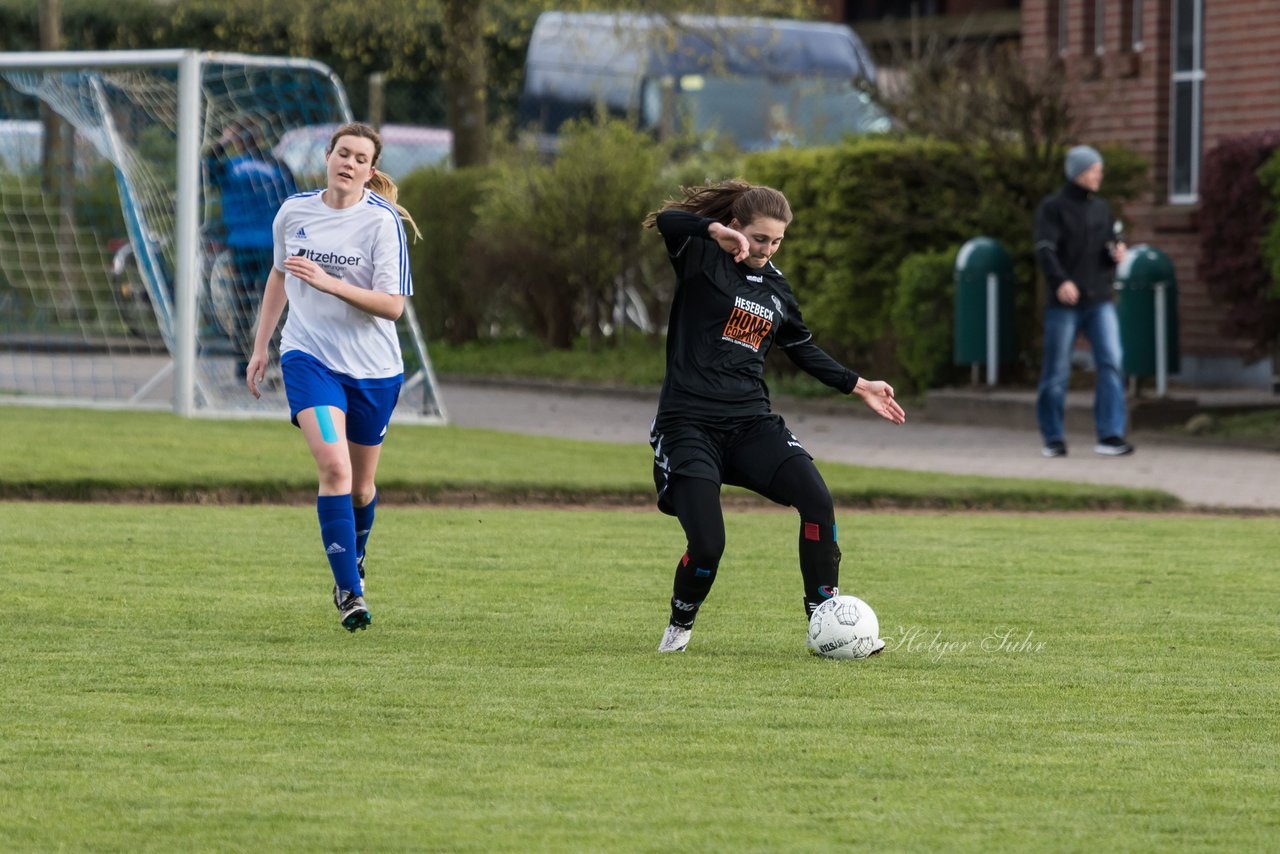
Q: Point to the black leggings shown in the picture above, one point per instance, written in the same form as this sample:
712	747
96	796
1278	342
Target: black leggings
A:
697	505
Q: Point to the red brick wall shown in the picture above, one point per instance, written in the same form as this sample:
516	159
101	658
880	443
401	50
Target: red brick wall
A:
1123	97
1242	68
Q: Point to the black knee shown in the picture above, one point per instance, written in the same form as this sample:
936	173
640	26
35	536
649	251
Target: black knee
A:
798	483
706	548
818	507
697	505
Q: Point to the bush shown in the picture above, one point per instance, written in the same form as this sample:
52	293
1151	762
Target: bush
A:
565	236
864	206
1236	216
1269	177
452	303
923	314
856	216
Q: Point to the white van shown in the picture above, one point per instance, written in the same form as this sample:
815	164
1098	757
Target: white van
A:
759	83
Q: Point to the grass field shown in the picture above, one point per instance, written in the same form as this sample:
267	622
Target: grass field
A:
95	455
1255	429
175	678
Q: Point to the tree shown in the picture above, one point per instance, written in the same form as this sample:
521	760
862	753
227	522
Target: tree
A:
464	74
54	177
987	97
454	61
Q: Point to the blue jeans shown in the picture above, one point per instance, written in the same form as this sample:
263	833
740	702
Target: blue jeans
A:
1102	330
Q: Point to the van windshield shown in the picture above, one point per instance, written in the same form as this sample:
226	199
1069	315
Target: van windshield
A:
758	113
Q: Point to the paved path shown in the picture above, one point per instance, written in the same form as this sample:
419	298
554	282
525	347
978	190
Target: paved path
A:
1201	476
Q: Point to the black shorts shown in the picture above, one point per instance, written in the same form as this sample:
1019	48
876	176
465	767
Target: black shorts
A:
743	452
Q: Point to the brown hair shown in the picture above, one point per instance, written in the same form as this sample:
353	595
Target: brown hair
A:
727	201
380	183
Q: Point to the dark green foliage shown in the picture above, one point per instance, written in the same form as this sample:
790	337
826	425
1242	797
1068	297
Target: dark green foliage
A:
1235	214
923	307
865	205
561	237
452	303
402	38
516	245
1269	177
861	208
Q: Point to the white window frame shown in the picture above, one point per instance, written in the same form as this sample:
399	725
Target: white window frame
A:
1194	77
1064	45
1099	27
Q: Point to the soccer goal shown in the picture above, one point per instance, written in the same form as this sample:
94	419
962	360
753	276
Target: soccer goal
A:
125	279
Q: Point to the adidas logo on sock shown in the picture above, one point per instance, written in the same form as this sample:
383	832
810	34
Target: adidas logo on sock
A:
334	549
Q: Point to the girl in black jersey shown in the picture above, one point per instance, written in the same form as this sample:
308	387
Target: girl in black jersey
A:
714	424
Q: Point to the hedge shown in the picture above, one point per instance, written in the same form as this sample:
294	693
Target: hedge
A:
1240	235
864	206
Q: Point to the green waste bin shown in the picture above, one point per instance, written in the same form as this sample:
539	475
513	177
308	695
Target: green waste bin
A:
983	267
1146	289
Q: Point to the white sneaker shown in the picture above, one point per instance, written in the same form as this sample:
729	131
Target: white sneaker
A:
674	639
1113	446
876	647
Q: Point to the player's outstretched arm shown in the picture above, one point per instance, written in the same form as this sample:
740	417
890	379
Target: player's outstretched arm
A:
879	396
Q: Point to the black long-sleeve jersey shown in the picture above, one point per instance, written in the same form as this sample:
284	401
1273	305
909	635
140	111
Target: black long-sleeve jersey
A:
724	318
1073	229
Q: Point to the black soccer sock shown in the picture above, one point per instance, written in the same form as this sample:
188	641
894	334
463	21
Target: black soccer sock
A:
819	563
693	583
697	505
798	483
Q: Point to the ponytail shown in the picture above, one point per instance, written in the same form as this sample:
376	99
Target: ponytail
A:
382	184
727	201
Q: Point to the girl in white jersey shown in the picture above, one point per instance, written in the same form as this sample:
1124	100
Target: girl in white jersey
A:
342	265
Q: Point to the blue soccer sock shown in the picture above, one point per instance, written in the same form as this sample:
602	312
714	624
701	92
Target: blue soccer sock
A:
338	532
364	524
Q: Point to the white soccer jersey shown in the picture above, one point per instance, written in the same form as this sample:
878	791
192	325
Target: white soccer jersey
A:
362	245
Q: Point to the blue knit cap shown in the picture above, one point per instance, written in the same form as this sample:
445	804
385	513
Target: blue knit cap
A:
1079	159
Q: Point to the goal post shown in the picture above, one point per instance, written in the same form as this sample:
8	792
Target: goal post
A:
131	267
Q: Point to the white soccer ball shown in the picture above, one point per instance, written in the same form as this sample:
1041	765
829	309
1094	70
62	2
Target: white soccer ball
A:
844	627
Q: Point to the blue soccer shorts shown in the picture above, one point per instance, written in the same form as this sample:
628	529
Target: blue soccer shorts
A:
368	403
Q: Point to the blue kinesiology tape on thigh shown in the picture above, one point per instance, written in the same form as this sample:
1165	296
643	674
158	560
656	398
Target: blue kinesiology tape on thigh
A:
325	421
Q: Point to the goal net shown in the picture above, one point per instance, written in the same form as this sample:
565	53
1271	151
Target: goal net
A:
137	190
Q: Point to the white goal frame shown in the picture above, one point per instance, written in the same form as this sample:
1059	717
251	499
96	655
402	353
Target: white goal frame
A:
186	285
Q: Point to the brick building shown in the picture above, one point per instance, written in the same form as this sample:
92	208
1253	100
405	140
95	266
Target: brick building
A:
1168	78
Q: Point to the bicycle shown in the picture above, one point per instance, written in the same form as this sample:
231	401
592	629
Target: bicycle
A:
219	296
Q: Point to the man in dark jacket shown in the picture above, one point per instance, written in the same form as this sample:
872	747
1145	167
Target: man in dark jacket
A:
1077	247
